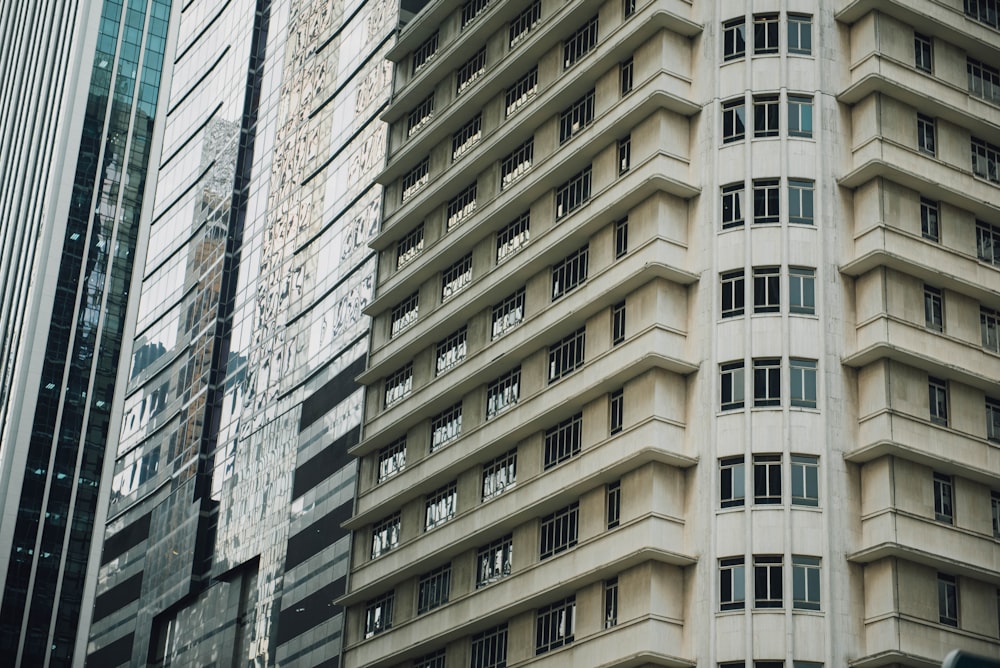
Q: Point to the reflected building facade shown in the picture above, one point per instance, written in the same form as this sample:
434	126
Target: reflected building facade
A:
231	477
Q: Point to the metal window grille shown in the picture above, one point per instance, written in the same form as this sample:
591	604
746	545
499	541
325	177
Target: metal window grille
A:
578	116
489	648
410	246
732	472
580	43
559	530
433	589
766	289
420	116
452	350
466	137
767	479
424	53
555	625
470	71
461	206
923	50
522	24
572	194
988	242
765	201
626	76
801	290
733	120
989	324
947	599
570	272
446	426
800	116
803	382
513	236
516	163
378	614
472	9
984	11
734	44
385	535
944	498
800	34
767	584
617	323
456	277
616	407
613	493
440	506
733	293
404	314
933	309
494	561
930	214
732	584
765	116
415	179
731	384
503	393
765	33
732	205
392	459
624	154
800	201
563	440
566	355
805	480
985	160
432	660
398	384
767	381
926	140
508	314
610	603
937	397
805	583
523	90
499	474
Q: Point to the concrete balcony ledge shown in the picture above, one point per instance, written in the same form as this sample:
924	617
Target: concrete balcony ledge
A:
930	177
888	337
885	245
890	432
926	643
896	533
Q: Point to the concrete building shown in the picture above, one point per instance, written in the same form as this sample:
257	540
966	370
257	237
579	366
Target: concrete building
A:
685	338
231	478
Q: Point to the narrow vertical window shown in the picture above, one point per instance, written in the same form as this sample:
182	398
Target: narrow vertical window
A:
805	480
937	398
765	116
926	134
624	154
993	420
929	214
767	381
617	323
801	290
733	293
626	74
732	385
767	584
986	165
766	197
734	39
767	479
922	52
989	325
988	243
732	205
803	382
732	583
610	603
933	309
616	407
800	34
947	599
995	510
800	201
766	289
621	237
733	120
944	498
800	116
732	481
805	583
765	34
613	495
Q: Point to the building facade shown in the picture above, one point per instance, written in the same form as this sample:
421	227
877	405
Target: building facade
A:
231	476
684	339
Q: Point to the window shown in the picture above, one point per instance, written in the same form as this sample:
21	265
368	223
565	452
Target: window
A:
432	660
984	11
926	134
805	583
503	392
499	474
572	194
767	581
626	76
513	236
732	205
989	324
621	237
800	202
398	384
944	497
494	561
806	664
766	289
767	479
410	246
617	323
489	648
995	508
563	440
767	381
559	530
628	8
580	43
570	272
732	578
933	309
424	53
929	214
610	603
765	115
524	23
947	599
732	472
801	290
523	90
472	9
624	154
446	426
403	314
922	52
805	480
800	116
420	116
616	402
800	34
984	80
392	459
555	625
993	419
508	314
466	137
415	179
452	350
433	589
516	163
765	34
385	535
732	385
378	615
566	355
578	116
456	277
734	44
613	494
440	506
765	201
461	206
469	72
733	120
733	288
988	242
985	158
803	382
937	394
